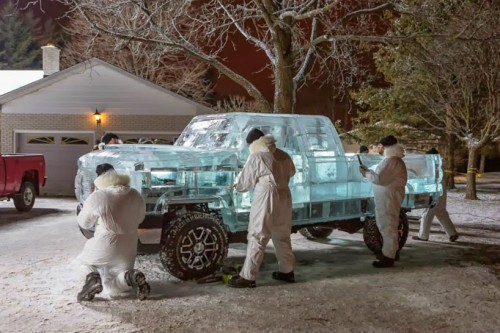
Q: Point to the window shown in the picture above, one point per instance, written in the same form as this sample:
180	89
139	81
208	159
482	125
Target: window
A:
44	140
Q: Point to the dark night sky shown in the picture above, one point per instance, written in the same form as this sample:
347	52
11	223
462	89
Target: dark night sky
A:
42	8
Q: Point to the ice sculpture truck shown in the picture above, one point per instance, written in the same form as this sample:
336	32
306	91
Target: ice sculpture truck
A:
193	214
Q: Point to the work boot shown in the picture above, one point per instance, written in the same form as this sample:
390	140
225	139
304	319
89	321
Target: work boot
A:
454	238
137	280
287	277
380	256
385	262
92	287
239	282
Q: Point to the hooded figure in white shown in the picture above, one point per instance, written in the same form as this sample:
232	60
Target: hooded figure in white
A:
116	210
389	182
438	211
267	172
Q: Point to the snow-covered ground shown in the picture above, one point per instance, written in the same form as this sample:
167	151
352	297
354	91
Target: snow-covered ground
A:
437	286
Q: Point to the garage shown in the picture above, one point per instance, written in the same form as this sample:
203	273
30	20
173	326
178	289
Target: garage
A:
61	151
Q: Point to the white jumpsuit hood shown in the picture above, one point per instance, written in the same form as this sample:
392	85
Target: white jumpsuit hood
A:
389	182
267	172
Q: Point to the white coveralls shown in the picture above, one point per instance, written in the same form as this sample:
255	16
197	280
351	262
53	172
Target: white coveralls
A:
268	171
389	181
116	209
441	213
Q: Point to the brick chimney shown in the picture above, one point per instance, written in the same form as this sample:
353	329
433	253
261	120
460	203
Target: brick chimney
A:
50	55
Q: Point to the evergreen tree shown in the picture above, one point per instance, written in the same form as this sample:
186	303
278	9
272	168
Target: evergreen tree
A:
18	45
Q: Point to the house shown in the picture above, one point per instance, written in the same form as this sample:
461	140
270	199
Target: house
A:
55	115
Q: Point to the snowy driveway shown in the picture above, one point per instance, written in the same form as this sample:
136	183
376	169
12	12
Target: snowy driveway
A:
436	287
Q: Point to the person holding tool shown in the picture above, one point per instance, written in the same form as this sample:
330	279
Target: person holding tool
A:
389	181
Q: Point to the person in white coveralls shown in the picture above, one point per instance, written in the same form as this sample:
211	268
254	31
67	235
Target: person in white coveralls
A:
389	182
267	172
439	211
116	210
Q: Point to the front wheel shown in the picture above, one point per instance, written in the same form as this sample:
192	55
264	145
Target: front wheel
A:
195	246
373	238
25	199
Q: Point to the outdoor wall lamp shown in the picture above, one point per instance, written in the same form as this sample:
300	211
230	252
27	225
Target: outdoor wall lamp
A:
97	117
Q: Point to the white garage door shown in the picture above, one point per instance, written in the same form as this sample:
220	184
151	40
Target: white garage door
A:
61	151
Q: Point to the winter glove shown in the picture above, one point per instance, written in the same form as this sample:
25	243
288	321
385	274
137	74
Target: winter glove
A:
363	169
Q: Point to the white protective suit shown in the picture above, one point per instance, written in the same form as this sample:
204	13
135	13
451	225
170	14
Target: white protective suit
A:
441	213
268	171
389	181
116	209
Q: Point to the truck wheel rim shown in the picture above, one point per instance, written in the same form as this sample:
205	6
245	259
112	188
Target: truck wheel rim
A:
28	196
198	248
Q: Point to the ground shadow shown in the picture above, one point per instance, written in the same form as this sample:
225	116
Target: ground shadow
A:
11	215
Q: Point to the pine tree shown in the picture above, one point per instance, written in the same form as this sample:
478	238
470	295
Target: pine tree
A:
18	45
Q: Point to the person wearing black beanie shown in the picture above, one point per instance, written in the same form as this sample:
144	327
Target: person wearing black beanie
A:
363	150
267	173
110	138
102	168
389	140
254	134
389	182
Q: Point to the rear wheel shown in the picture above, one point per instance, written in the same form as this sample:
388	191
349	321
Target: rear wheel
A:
373	238
25	199
313	233
195	246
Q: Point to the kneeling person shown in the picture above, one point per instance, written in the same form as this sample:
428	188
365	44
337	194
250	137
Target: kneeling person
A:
116	210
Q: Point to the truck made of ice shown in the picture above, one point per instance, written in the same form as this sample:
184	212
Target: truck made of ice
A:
193	212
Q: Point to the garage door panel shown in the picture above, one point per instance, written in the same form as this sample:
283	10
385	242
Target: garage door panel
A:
61	151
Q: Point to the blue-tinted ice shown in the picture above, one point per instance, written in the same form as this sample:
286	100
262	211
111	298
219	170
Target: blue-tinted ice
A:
210	152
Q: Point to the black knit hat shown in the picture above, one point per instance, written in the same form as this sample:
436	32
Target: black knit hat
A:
363	149
432	151
254	134
102	168
389	140
108	136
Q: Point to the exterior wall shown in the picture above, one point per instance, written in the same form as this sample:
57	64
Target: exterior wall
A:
110	123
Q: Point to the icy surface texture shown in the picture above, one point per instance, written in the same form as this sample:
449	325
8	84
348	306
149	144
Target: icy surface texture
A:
212	149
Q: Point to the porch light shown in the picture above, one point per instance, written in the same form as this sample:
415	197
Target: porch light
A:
97	117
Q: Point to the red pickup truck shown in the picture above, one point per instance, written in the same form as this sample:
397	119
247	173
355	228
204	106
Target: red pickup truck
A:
21	178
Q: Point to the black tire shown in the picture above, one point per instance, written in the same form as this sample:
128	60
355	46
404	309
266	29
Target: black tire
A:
25	199
313	233
373	238
195	246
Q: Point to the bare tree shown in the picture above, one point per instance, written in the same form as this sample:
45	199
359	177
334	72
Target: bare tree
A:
173	70
464	96
299	41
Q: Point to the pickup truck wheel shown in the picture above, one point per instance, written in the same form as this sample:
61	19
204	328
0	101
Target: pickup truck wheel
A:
25	200
373	238
194	246
313	233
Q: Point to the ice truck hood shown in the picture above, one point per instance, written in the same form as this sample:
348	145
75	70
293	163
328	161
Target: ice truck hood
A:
128	157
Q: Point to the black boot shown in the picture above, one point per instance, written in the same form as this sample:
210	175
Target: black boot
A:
137	280
287	277
239	282
380	256
92	287
385	262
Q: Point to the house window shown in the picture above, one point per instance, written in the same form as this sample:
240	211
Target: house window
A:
44	140
66	140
